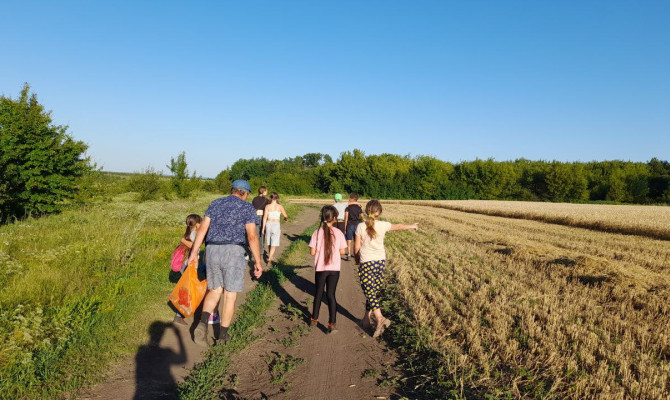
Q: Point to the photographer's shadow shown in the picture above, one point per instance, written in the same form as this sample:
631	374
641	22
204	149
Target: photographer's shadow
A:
153	378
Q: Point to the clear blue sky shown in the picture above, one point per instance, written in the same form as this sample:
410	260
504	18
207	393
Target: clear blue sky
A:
141	81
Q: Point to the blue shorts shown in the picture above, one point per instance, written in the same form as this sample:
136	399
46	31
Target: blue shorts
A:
351	230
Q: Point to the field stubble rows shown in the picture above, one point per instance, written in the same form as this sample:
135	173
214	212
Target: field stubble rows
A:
536	310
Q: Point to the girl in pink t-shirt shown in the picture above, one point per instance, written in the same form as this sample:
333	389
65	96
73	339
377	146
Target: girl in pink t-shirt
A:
369	244
327	244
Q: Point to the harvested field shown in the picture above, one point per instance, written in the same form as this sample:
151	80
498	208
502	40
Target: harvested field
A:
522	308
650	221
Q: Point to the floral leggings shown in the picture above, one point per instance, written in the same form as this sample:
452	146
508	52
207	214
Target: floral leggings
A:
371	275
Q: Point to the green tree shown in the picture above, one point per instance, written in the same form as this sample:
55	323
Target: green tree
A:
182	185
223	182
40	163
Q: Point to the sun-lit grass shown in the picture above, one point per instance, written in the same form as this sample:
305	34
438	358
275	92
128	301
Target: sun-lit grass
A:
71	286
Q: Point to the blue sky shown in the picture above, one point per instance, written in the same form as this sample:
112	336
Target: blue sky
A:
457	80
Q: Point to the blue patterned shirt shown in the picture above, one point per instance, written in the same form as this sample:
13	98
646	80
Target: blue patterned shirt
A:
229	215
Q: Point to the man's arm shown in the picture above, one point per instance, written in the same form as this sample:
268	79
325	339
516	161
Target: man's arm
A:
199	239
254	244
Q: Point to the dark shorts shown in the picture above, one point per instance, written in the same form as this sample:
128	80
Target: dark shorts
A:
225	267
351	230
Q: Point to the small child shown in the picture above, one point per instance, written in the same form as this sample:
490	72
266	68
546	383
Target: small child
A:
370	242
352	217
193	222
326	242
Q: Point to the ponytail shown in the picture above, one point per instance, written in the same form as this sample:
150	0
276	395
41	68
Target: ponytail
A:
373	209
327	244
328	214
191	221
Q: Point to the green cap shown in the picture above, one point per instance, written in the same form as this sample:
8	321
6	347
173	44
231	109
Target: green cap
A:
338	197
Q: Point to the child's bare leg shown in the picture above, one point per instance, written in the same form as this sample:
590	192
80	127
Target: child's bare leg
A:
272	253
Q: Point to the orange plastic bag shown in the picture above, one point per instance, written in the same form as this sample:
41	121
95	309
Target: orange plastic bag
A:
189	292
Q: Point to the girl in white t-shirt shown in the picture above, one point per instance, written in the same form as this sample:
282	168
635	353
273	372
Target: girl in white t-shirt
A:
327	244
369	241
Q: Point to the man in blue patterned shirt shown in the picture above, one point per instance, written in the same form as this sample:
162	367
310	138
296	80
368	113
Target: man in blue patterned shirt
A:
227	221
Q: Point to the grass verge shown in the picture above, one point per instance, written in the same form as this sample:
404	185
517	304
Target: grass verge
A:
208	378
72	288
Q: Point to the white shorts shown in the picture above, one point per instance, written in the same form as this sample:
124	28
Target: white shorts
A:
272	233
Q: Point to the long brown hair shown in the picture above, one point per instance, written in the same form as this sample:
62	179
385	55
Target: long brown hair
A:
191	221
373	210
274	196
328	214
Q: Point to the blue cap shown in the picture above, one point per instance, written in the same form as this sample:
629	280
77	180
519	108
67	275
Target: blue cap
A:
241	184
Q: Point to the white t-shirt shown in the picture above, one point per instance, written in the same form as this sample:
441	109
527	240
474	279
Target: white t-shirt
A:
340	206
373	249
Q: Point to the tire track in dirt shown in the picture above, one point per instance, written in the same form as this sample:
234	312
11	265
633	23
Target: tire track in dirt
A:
169	353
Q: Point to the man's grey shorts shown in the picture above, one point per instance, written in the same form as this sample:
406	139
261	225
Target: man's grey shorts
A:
225	267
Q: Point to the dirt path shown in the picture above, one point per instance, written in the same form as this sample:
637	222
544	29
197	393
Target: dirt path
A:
348	364
170	352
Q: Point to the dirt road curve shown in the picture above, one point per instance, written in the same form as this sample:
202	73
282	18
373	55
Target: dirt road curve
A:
334	365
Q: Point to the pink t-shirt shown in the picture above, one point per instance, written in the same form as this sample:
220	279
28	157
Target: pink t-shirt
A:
317	241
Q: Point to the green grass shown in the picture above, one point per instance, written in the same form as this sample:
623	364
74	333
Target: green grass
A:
75	290
209	377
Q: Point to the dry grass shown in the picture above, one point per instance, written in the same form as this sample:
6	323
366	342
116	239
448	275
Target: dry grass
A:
650	221
525	309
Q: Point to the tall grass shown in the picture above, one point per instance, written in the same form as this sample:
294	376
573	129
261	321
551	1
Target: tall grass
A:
72	285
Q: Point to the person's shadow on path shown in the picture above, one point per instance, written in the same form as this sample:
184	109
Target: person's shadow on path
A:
153	379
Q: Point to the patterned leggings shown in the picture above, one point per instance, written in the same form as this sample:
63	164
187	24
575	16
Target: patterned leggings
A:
371	275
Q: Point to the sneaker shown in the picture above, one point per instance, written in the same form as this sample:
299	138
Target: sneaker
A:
214	319
246	257
381	326
313	322
346	257
200	334
331	328
179	320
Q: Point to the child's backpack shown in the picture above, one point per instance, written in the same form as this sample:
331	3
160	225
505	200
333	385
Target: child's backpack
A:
178	257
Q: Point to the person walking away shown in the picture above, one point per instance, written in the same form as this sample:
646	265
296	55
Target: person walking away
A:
271	226
325	244
370	243
193	222
259	202
352	217
223	230
340	206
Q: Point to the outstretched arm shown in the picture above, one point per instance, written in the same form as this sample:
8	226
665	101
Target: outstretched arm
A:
281	208
401	227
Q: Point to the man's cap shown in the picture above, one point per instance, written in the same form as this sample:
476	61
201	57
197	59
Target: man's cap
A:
338	197
241	184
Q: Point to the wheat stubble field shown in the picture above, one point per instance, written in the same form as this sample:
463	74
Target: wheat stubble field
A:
522	308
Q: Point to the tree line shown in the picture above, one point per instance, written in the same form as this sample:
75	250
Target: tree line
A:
424	177
43	168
